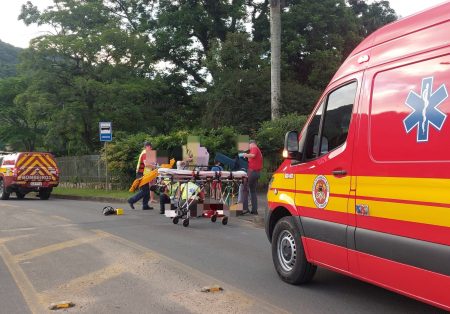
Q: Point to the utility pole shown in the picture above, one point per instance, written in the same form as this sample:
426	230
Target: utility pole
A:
275	48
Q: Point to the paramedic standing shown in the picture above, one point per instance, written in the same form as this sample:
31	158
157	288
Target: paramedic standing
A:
255	163
142	169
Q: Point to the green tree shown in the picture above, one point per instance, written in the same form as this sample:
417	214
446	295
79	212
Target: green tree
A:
99	66
186	29
9	58
22	120
240	91
372	16
158	66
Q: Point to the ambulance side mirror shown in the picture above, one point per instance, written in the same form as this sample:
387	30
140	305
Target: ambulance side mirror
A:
291	148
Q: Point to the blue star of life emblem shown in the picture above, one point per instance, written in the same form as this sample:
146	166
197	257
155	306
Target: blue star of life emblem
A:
425	111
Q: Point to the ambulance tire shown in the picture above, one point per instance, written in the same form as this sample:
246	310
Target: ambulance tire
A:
20	196
4	195
288	254
44	194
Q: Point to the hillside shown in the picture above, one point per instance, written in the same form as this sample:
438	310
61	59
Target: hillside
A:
8	59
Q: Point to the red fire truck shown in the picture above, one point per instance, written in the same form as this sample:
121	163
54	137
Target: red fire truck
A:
22	173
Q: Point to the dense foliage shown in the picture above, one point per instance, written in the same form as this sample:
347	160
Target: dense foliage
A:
8	59
122	154
155	67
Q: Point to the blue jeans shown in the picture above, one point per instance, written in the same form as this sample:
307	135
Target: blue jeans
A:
144	193
253	177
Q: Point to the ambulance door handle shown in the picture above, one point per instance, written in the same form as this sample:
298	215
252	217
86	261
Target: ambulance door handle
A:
339	173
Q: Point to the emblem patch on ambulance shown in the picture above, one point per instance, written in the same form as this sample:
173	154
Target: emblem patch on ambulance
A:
321	191
425	111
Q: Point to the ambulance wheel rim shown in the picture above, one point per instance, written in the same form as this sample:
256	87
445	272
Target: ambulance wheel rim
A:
287	250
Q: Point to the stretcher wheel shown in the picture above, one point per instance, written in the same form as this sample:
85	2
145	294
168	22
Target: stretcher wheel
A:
175	220
186	222
224	220
213	218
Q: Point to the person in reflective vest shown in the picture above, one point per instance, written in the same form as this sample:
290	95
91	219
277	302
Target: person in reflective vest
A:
142	168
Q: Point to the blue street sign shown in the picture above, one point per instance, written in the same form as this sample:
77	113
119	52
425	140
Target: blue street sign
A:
105	137
105	129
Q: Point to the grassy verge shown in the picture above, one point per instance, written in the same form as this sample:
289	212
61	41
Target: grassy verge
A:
92	192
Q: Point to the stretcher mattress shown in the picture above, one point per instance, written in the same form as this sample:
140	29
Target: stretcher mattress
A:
202	174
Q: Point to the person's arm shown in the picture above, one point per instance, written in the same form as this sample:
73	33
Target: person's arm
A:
140	159
251	153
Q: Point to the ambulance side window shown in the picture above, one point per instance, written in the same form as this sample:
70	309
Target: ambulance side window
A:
311	150
337	117
329	130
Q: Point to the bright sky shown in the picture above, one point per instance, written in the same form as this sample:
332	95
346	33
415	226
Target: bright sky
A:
16	33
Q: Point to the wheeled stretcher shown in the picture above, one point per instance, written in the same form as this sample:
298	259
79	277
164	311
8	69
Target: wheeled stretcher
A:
189	207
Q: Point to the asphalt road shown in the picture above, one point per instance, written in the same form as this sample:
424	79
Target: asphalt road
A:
140	262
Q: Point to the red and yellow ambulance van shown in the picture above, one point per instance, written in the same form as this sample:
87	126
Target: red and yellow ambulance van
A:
26	172
365	187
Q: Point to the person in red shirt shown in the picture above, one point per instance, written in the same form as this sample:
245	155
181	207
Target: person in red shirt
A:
255	164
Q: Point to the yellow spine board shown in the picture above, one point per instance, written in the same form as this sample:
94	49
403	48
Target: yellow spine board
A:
149	176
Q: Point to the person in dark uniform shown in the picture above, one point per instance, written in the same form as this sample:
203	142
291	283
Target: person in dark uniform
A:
169	191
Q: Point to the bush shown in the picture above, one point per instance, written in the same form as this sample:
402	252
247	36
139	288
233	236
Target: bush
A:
221	140
270	138
122	154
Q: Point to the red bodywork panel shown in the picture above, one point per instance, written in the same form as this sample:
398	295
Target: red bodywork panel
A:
399	131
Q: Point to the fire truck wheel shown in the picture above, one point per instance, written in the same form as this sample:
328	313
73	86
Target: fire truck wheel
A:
3	194
288	254
44	194
20	196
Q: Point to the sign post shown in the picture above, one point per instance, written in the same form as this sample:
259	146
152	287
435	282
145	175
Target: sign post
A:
105	129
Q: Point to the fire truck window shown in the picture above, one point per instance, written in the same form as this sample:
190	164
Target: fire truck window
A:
337	117
311	147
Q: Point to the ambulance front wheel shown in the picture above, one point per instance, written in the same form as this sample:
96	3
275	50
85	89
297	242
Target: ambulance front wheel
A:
288	254
20	196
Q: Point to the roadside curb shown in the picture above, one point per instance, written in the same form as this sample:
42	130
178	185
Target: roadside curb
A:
256	220
90	198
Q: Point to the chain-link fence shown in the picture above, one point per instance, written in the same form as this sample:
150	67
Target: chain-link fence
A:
89	171
84	172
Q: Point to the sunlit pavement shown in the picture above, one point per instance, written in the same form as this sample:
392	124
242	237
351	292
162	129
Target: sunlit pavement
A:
63	250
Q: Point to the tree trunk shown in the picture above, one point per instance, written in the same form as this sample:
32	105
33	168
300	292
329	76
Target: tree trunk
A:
275	48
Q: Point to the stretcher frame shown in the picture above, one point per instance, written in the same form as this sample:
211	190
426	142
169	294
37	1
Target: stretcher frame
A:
202	179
